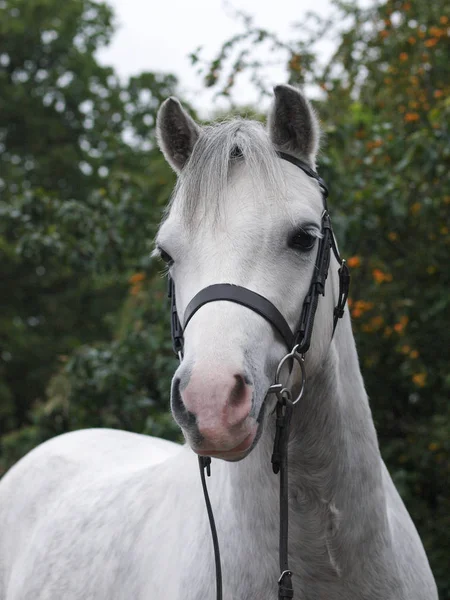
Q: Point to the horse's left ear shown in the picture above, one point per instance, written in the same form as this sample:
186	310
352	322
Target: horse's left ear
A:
292	124
176	133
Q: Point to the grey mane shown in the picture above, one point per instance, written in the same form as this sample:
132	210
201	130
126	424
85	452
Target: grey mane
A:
218	150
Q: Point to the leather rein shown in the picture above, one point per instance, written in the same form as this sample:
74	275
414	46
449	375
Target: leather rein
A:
297	342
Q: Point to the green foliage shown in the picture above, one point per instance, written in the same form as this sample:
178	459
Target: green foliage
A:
82	189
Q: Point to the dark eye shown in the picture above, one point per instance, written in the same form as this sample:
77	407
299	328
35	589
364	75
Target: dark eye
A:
165	257
302	240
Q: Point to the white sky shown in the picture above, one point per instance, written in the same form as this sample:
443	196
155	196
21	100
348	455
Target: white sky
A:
159	36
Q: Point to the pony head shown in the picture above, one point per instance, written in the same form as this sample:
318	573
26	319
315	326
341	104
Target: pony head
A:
239	215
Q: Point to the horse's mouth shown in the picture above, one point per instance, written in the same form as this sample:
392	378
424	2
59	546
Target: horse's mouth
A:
237	453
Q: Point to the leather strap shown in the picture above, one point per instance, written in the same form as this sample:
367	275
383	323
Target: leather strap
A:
344	286
309	171
284	410
245	297
204	463
317	287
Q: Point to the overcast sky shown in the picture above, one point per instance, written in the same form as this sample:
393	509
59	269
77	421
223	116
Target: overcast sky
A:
159	36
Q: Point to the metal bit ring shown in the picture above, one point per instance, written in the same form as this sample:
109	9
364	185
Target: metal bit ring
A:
294	356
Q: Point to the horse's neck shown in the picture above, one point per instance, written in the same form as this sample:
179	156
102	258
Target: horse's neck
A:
335	469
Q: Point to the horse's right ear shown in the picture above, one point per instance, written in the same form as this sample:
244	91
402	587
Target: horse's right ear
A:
176	133
293	126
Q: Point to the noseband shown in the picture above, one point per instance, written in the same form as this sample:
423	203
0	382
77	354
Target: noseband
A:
297	343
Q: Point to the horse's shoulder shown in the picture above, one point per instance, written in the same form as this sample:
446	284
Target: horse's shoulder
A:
77	460
108	443
56	490
95	447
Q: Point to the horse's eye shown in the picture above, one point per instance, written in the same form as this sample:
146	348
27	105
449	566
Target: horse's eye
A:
302	240
165	257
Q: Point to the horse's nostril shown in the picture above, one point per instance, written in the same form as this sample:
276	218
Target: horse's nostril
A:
177	401
185	418
237	393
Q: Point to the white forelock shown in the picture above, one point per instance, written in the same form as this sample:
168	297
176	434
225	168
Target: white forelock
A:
206	176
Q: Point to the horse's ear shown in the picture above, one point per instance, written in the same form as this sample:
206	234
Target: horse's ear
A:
176	133
292	124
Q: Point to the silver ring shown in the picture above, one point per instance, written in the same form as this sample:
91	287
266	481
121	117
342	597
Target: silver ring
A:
294	355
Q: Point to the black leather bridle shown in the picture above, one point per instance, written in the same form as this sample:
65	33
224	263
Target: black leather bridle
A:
297	342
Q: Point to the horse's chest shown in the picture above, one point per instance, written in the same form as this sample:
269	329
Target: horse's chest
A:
250	567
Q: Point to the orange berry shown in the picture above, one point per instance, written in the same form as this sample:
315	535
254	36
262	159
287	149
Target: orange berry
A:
137	277
419	379
436	31
379	276
134	291
411	116
377	321
354	261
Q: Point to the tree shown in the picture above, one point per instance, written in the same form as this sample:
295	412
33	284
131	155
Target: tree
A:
82	189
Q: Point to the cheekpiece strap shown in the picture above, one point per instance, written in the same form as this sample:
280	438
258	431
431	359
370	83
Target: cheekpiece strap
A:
317	288
309	171
175	325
